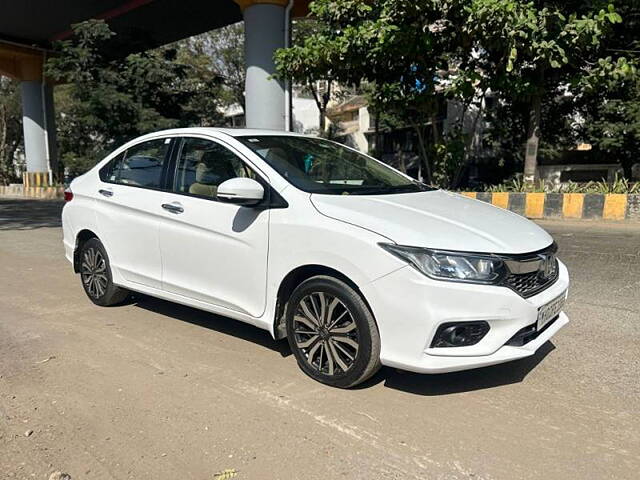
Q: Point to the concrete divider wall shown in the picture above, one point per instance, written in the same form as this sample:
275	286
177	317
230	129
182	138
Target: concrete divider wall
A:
32	192
35	179
611	206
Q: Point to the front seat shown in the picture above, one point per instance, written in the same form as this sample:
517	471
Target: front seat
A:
211	171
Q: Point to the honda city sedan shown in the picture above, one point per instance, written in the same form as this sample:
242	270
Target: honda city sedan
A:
356	264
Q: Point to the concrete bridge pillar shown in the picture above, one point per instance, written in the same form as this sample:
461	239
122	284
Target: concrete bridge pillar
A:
38	121
264	25
26	65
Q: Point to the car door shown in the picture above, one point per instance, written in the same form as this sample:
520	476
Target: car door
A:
129	207
212	251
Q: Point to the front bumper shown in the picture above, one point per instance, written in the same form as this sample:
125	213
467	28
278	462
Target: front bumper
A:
409	307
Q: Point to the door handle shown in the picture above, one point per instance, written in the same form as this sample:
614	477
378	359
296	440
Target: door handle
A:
106	193
173	208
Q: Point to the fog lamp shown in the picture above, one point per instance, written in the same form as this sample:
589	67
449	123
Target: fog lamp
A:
459	334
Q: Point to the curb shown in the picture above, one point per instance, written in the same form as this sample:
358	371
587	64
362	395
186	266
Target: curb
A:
50	193
591	206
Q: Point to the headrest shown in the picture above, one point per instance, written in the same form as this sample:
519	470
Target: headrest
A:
213	169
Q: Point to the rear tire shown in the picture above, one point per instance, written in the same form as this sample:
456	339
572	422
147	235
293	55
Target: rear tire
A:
95	274
332	332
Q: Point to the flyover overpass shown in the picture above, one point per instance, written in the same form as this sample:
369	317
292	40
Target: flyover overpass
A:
29	27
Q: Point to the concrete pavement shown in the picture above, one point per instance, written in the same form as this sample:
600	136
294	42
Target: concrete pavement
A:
157	390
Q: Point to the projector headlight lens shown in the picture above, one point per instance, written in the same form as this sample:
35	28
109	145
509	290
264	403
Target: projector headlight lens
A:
452	266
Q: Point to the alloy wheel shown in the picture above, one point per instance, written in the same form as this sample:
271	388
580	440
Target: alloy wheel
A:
326	333
94	272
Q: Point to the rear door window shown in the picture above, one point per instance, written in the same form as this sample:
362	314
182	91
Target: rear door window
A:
143	164
109	172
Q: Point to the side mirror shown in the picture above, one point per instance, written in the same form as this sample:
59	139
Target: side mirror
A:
241	191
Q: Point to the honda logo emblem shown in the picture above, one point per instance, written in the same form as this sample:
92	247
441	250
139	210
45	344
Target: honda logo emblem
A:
547	266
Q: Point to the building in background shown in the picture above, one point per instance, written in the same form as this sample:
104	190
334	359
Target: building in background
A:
305	114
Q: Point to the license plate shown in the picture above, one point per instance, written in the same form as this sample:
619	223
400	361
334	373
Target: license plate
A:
549	311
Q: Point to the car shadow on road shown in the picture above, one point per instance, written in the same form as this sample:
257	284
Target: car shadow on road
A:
428	385
458	382
218	323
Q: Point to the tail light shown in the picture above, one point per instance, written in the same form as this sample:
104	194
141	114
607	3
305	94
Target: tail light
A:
68	195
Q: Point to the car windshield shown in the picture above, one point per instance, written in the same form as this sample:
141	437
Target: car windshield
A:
316	165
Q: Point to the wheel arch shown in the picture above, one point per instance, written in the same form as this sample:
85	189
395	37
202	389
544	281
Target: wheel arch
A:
81	238
294	278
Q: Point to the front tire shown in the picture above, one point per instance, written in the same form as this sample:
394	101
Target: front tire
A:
95	273
332	332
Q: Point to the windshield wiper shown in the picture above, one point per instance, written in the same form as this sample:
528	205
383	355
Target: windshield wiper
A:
386	189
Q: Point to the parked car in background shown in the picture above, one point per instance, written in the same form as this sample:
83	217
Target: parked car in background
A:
355	263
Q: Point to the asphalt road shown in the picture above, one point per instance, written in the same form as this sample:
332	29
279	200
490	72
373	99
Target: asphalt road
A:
153	390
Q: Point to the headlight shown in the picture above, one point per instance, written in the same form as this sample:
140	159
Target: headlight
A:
453	266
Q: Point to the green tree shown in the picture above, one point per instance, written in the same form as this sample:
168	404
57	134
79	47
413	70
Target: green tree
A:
105	102
222	51
411	54
532	48
305	62
611	107
393	49
10	128
614	124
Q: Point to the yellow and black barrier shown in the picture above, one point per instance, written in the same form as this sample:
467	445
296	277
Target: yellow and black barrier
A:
592	206
50	193
35	179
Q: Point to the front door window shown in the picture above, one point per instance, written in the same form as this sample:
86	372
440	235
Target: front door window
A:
203	165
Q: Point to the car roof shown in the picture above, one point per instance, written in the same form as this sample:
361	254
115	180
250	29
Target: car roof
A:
237	132
233	132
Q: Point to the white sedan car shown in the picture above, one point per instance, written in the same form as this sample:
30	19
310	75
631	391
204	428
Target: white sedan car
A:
355	263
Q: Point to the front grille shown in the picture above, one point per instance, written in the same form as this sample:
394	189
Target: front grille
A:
528	284
530	274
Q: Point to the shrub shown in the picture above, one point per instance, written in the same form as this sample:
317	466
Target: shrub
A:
619	185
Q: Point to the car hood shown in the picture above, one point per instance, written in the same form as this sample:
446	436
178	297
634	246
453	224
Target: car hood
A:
437	219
